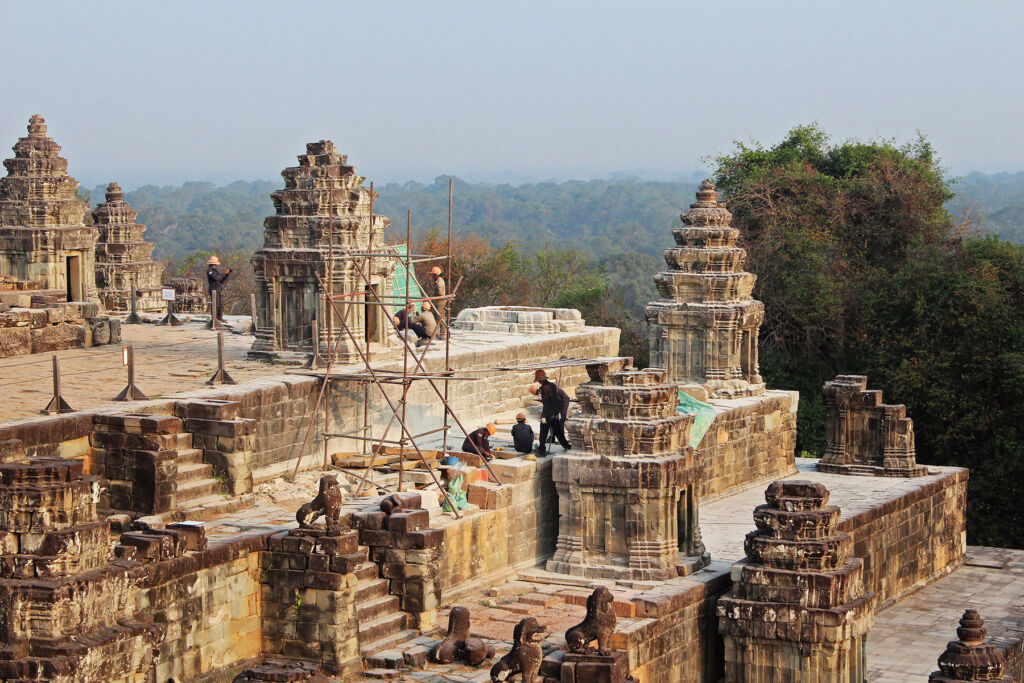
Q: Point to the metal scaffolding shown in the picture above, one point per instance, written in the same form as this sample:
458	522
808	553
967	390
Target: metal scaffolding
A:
413	368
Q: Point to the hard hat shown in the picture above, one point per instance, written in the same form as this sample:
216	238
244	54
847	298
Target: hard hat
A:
491	427
426	306
539	375
520	416
213	261
534	388
435	271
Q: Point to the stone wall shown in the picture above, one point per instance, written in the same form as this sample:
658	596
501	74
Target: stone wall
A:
48	326
751	440
209	602
910	541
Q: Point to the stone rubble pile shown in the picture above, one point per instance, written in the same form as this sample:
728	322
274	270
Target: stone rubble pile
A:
519	320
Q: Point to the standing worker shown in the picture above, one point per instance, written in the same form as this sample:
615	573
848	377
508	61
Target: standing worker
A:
478	441
438	287
522	435
554	410
216	280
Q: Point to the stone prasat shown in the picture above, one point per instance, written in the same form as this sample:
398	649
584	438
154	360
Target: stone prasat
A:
140	543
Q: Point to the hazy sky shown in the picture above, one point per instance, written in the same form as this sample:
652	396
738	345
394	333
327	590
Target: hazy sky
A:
165	92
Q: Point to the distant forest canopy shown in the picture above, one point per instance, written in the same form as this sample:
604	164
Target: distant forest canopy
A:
601	217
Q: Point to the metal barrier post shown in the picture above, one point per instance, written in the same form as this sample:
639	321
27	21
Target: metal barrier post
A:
130	392
315	360
57	404
214	323
221	376
133	317
170	318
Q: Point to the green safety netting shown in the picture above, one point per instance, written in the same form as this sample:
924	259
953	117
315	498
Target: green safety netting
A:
703	414
398	286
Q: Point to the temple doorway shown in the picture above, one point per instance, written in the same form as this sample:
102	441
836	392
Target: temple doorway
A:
73	276
299	304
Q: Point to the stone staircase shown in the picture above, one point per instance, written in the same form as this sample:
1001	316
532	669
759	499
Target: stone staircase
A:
195	478
382	623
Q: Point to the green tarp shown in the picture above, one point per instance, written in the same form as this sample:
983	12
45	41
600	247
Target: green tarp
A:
398	286
703	414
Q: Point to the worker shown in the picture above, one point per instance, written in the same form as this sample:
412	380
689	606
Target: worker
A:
478	441
554	411
216	280
522	434
427	320
405	320
438	287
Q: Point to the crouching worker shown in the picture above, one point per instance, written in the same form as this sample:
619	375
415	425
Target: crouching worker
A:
404	320
478	441
522	435
428	321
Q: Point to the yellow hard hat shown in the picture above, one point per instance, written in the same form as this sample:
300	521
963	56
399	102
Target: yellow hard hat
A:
213	261
491	427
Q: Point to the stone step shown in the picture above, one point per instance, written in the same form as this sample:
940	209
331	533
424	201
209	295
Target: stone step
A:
193	471
189	491
370	632
382	674
369	590
367	571
188	455
184	441
377	608
397	639
208	508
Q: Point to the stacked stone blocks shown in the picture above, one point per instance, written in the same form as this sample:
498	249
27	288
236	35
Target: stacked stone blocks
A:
123	261
138	454
798	607
519	320
227	440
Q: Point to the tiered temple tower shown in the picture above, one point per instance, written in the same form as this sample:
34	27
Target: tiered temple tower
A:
627	492
704	324
42	233
123	260
798	609
323	200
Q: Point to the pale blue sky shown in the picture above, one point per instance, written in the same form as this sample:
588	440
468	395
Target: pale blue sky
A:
165	92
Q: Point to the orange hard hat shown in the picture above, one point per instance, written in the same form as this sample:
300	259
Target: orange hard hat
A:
534	388
539	375
426	306
491	427
435	271
520	416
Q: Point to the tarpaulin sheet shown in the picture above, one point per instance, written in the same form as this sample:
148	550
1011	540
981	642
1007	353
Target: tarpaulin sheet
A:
703	414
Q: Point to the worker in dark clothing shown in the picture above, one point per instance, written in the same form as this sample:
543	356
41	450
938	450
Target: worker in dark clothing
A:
404	320
478	441
438	287
554	411
216	280
522	435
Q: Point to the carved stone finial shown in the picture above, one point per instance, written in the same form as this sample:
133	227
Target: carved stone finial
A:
599	624
327	503
706	193
969	659
36	126
458	644
114	193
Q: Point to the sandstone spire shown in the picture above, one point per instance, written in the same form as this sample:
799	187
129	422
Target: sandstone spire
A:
123	260
704	324
42	233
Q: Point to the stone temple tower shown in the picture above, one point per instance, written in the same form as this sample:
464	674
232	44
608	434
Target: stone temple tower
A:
123	260
322	214
704	324
43	236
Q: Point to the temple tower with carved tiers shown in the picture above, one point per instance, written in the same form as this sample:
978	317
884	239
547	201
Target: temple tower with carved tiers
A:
43	236
321	215
123	260
704	324
628	489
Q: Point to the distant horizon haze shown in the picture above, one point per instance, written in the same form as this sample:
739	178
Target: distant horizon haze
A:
161	94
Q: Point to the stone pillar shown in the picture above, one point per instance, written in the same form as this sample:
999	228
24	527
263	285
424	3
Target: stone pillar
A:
704	309
627	492
865	436
798	610
969	658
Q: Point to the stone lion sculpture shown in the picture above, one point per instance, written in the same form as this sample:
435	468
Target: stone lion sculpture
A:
599	624
526	654
459	644
327	503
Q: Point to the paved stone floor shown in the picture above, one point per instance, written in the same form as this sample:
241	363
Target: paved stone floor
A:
724	522
992	582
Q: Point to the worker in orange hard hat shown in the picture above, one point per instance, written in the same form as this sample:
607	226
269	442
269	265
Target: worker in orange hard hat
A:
522	434
554	411
216	280
438	287
478	441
